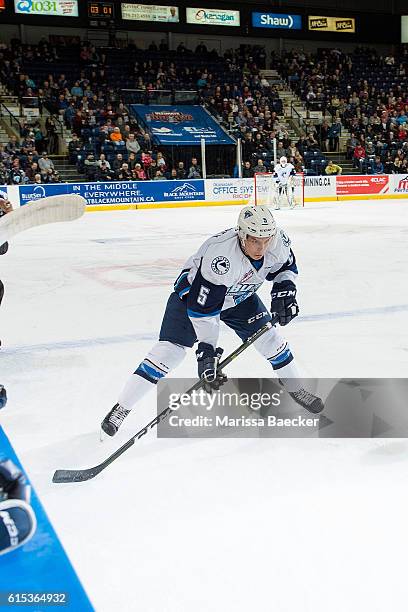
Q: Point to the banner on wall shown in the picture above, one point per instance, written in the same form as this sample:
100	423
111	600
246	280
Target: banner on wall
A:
332	24
131	192
150	12
277	21
362	185
61	8
180	125
219	17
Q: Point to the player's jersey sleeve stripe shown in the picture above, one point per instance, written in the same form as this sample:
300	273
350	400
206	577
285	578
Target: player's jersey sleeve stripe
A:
182	286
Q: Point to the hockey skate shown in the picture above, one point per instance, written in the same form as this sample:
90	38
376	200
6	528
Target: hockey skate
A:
113	420
307	400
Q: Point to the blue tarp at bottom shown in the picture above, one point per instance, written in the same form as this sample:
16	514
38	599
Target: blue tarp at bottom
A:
41	565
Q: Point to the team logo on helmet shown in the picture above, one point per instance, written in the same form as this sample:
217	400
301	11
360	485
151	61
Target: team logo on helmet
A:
220	265
247	214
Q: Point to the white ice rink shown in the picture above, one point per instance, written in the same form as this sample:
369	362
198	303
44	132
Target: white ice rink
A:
227	525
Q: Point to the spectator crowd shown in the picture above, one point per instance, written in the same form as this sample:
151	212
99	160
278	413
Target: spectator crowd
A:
83	86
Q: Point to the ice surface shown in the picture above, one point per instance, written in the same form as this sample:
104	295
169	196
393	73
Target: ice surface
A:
209	525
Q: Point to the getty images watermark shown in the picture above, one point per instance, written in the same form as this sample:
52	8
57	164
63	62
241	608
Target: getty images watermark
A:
242	407
353	408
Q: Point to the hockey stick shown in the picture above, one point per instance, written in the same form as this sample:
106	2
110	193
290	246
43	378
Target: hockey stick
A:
39	212
87	474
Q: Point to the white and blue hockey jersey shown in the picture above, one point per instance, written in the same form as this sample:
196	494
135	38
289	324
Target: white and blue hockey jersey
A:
220	276
283	173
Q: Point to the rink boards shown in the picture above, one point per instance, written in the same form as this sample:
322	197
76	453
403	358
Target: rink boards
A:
117	195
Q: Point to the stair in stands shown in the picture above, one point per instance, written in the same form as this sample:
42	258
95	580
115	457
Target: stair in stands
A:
68	172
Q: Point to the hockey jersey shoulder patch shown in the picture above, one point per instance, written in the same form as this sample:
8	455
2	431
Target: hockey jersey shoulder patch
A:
220	265
285	238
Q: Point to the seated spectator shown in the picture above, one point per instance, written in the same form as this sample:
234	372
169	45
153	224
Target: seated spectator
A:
161	162
181	171
132	161
260	167
334	135
16	174
173	175
146	159
132	145
124	173
359	156
102	160
195	170
45	163
333	168
91	167
377	167
116	137
117	163
151	170
159	176
247	171
104	173
138	173
31	171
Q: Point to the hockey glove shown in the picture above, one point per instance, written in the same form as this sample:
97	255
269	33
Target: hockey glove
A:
207	360
3	397
284	303
17	519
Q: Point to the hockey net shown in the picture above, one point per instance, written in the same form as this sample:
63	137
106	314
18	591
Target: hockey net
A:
266	191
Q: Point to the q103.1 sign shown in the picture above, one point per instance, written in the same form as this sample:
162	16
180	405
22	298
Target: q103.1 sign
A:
62	8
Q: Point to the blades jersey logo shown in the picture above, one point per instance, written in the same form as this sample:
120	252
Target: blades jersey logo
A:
220	265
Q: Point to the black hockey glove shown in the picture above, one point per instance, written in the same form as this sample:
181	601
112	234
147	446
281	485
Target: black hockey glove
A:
284	301
207	360
3	397
17	519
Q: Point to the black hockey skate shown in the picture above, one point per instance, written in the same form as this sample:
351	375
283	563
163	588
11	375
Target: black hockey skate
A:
114	420
307	400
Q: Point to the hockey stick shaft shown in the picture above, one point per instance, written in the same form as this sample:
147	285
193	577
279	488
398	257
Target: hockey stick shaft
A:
63	476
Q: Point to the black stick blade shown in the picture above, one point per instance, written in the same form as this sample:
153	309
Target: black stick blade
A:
75	475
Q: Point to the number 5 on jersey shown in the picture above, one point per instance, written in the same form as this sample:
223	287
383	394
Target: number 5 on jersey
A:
202	295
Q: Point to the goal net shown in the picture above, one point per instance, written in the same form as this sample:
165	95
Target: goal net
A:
266	192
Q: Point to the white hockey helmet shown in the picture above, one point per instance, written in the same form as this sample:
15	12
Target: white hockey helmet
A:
283	161
256	221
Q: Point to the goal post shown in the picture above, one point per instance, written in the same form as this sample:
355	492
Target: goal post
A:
266	191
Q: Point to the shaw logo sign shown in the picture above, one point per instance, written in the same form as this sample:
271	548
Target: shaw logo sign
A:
277	21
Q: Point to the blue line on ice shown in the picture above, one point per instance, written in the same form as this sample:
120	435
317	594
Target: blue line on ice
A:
94	342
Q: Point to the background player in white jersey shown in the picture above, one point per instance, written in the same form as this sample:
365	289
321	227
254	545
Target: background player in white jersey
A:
219	283
284	174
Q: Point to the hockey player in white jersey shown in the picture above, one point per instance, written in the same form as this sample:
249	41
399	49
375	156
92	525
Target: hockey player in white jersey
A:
219	284
284	174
